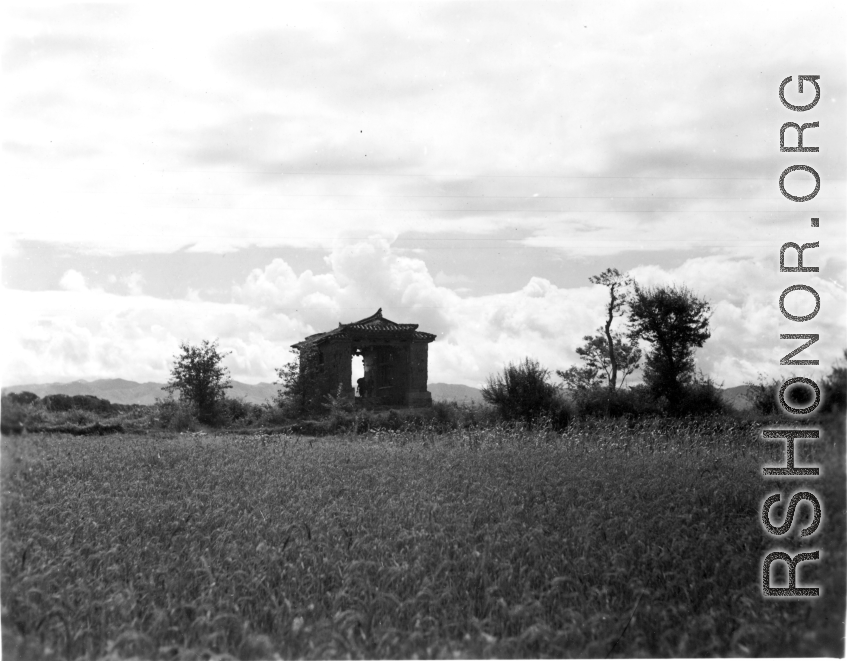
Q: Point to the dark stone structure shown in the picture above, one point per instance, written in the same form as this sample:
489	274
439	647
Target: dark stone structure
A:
394	357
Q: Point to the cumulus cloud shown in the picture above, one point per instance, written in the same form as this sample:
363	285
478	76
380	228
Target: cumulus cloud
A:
134	283
81	333
362	277
86	334
72	281
746	320
441	278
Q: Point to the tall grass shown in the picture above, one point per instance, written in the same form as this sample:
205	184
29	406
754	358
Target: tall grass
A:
613	538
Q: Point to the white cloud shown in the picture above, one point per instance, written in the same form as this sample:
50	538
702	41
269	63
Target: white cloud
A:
72	281
86	334
441	278
80	333
134	283
290	126
746	321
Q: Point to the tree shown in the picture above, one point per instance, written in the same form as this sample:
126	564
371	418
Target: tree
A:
675	322
289	378
298	378
621	361
618	285
523	392
200	377
580	379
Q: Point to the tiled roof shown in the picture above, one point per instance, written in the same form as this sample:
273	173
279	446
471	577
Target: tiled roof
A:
377	320
376	325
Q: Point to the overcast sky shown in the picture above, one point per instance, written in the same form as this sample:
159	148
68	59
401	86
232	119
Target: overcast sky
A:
259	172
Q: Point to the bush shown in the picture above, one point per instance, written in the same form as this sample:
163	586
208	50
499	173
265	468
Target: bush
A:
90	403
79	418
702	397
272	415
597	402
762	396
835	389
25	398
523	393
13	416
175	415
55	403
339	402
237	412
362	422
446	415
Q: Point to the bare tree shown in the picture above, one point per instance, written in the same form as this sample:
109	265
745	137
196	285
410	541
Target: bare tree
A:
619	286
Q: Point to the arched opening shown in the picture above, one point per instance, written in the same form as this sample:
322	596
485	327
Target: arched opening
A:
357	368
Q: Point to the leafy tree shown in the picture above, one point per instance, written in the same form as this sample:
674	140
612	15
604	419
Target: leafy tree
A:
580	379
200	377
524	393
298	378
675	322
597	362
619	286
288	376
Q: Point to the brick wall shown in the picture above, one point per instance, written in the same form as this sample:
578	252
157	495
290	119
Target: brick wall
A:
418	367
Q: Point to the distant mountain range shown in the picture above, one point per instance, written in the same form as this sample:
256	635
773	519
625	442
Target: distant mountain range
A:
453	392
736	397
121	391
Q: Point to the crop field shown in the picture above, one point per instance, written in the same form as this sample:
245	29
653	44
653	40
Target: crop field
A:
611	539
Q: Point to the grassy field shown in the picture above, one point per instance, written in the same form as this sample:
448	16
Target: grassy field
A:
607	540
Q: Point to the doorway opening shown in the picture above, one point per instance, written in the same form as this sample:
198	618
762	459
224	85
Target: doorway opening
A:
357	369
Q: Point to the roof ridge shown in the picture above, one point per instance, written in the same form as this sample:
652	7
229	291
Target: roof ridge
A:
376	316
375	323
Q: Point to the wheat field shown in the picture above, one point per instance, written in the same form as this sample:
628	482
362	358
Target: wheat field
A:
612	539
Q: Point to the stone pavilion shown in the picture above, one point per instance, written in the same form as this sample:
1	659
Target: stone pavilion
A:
394	357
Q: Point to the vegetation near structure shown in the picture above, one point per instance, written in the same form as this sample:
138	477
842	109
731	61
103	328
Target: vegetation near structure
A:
299	393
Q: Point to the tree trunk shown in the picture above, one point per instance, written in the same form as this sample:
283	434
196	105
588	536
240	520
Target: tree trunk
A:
613	380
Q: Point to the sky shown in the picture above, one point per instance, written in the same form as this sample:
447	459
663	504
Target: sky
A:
257	172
